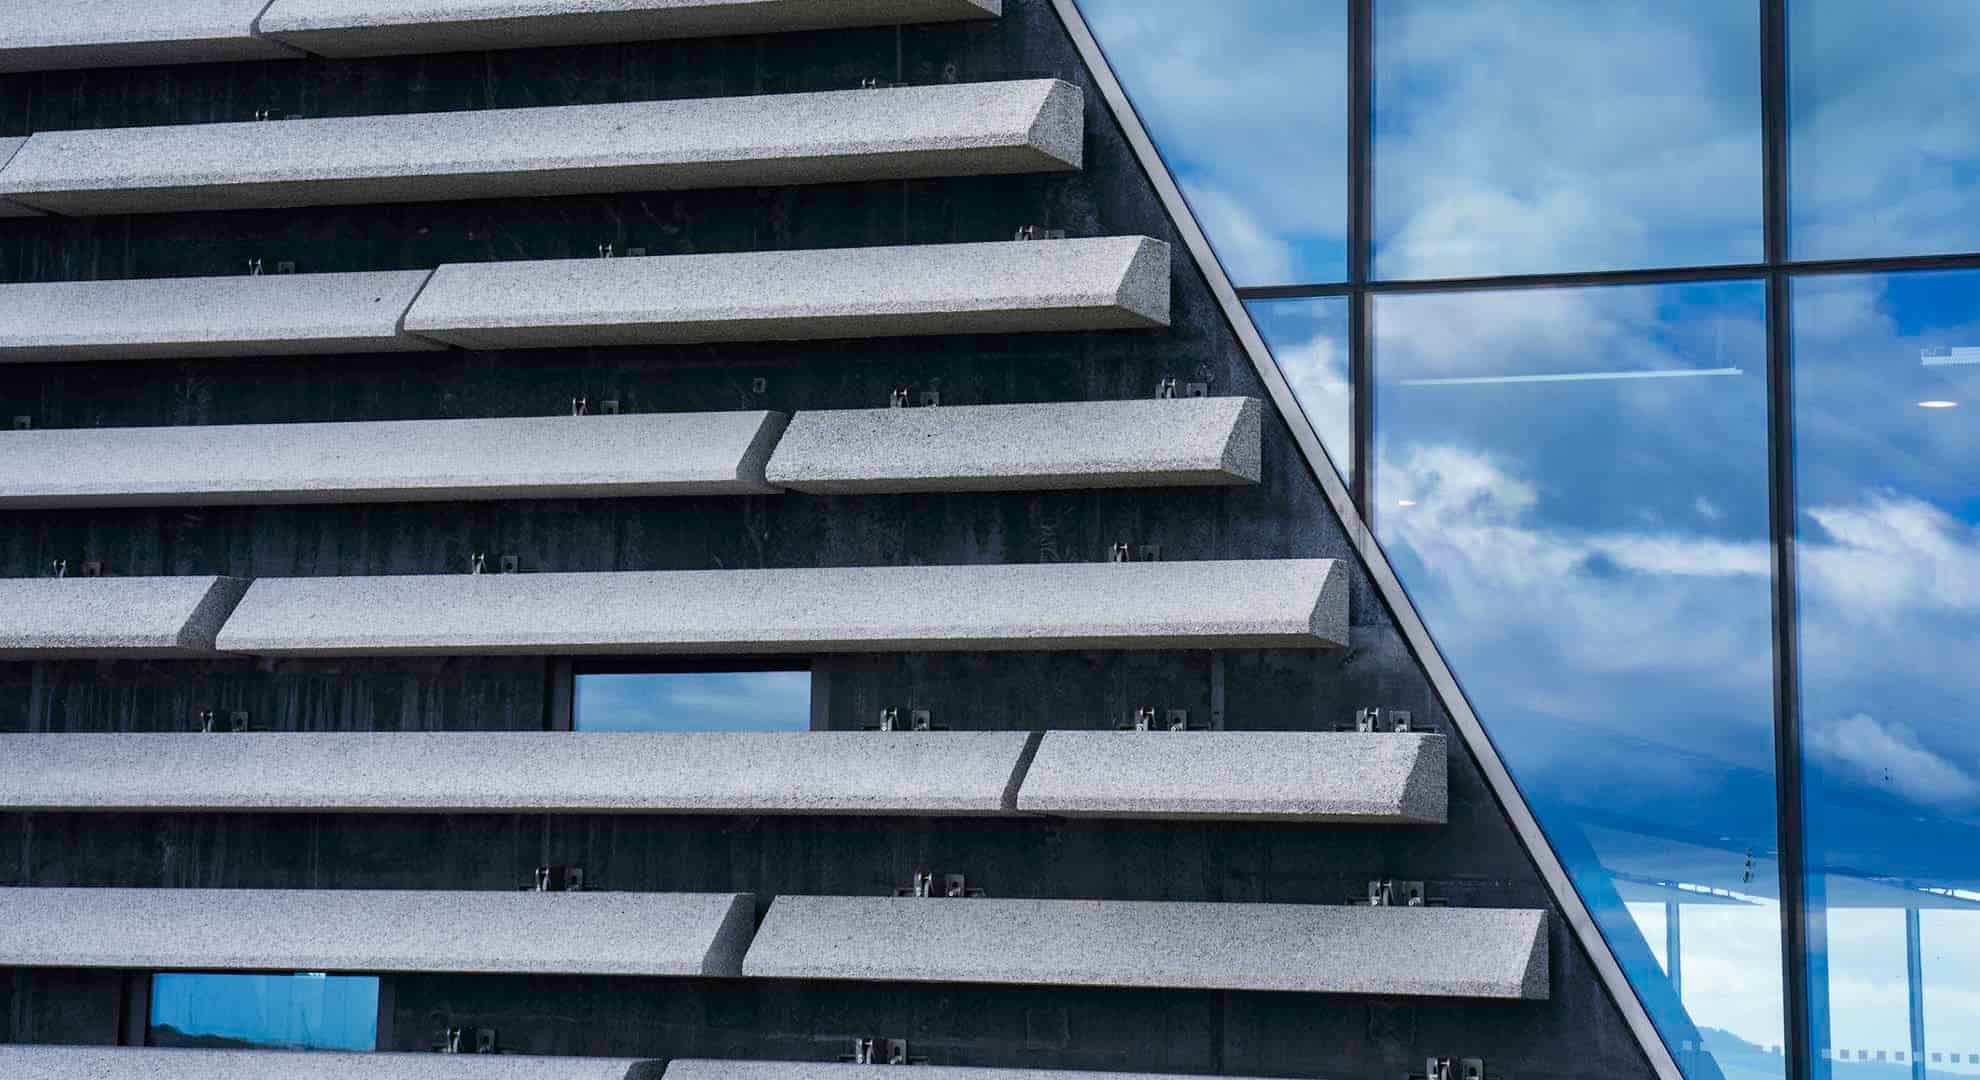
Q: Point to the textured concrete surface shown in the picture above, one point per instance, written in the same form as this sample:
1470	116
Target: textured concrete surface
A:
708	1069
821	772
1292	603
386	27
8	148
113	617
390	461
1399	952
360	930
47	35
1009	287
1297	775
1050	445
1034	125
265	315
150	1063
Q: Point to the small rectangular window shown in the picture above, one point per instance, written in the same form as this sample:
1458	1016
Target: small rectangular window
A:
305	1011
693	701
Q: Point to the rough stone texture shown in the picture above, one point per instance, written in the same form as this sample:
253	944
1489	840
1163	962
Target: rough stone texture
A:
111	617
390	461
1034	125
929	289
388	27
380	930
1289	603
1300	775
133	1063
48	35
1044	446
815	772
263	315
1399	952
707	1069
8	148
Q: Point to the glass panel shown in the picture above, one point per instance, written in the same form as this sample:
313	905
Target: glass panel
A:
271	1012
1247	100
1887	466
1309	339
1884	139
694	701
1572	484
1537	136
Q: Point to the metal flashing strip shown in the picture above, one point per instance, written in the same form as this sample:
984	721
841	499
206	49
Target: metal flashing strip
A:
1580	920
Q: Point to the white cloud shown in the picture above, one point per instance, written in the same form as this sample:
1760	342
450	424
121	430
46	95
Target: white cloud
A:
1887	754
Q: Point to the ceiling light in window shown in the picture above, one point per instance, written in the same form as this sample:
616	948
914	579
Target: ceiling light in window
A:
1405	502
1938	404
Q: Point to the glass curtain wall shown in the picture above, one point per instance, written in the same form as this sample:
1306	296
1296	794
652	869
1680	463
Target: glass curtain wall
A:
1653	320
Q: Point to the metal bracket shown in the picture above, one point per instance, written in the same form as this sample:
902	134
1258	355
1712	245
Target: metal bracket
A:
211	723
1125	552
1451	1069
874	82
509	564
606	406
881	1052
1167	388
1171	720
904	397
926	885
23	423
1390	893
558	878
917	720
1376	719
1039	232
466	1041
58	568
90	568
606	251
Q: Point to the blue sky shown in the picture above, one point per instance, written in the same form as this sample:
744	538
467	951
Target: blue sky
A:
699	701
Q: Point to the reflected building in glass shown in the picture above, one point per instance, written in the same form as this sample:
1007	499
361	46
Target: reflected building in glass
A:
1651	354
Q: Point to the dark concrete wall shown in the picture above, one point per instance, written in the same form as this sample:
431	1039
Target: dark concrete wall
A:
1476	860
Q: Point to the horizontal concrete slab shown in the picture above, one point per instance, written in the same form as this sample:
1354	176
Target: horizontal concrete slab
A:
390	461
8	147
47	35
822	772
708	1069
1174	605
388	27
157	318
1397	951
114	617
972	129
1011	287
147	1063
356	930
1046	446
1381	779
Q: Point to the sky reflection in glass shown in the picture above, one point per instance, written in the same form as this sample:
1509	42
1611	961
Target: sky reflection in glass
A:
1247	100
272	1012
1572	484
1537	136
694	701
1309	339
1884	136
1887	384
